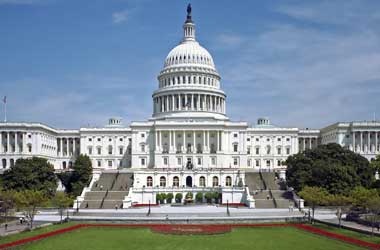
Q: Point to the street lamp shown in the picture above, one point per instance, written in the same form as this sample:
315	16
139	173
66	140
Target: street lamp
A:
228	209
148	209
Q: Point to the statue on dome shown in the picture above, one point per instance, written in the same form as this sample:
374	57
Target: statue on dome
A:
188	13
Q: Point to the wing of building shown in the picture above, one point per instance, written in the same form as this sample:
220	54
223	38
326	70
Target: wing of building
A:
189	143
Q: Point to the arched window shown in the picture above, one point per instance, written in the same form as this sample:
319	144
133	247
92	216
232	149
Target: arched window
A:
202	181
4	161
175	181
215	181
228	181
162	181
64	165
11	162
110	150
268	150
149	181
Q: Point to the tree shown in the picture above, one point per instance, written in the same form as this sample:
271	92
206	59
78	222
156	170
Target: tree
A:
28	201
31	174
7	202
314	196
169	197
79	178
160	197
208	197
178	197
360	197
375	164
62	201
330	166
342	204
199	197
373	205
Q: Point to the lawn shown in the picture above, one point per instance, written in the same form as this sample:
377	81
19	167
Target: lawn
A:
265	238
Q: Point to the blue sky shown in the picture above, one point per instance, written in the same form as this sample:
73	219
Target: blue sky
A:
70	63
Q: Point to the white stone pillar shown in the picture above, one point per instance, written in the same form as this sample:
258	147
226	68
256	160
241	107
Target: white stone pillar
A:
183	141
1	142
353	141
376	142
361	141
74	147
368	142
173	102
217	141
16	146
67	146
310	143
304	144
8	142
194	148
160	140
192	102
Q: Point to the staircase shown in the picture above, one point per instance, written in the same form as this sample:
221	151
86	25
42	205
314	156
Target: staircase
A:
267	191
109	191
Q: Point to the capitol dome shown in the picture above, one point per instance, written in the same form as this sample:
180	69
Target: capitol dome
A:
189	84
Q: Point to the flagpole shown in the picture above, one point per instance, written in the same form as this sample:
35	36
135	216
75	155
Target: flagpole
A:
5	108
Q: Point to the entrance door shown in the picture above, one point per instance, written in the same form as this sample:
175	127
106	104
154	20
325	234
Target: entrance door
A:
189	181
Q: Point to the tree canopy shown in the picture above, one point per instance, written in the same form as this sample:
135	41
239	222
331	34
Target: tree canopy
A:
330	166
79	178
31	174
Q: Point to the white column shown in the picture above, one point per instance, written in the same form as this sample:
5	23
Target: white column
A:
170	141
173	102
8	142
203	141
221	140
67	146
160	140
217	141
174	141
161	104
16	146
192	102
74	147
310	142
304	144
368	142
361	142
376	142
194	148
1	142
353	141
184	141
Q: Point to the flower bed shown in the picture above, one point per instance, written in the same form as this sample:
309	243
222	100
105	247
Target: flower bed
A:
191	229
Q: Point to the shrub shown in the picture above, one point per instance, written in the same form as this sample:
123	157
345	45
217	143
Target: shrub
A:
199	197
178	197
160	198
208	197
216	196
169	197
189	195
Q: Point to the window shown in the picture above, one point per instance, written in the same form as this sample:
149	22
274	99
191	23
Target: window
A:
165	161
29	148
248	162
268	150
109	163
99	149
175	181
257	139
162	181
121	150
257	163
257	150
235	135
278	150
287	151
249	150
99	139
236	161
213	161
29	136
268	139
268	163
235	147
228	181
110	150
142	135
287	139
90	150
248	139
89	139
149	181
215	181
199	161
121	139
110	139
142	161
279	163
179	161
202	181
99	163
142	147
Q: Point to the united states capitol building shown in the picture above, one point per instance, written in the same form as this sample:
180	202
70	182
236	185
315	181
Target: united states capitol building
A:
189	143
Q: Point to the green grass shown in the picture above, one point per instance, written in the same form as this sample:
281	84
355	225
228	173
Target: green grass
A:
271	238
14	237
353	234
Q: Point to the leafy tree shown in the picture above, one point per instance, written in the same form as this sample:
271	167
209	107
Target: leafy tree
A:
360	196
169	197
330	166
79	178
342	204
375	164
62	201
28	201
31	174
199	197
160	197
373	205
208	196
314	196
178	197
7	202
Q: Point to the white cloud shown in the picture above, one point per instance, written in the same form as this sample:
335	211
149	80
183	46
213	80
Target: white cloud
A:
120	16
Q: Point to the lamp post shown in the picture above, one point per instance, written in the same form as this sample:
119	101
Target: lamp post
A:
228	209
77	206
148	209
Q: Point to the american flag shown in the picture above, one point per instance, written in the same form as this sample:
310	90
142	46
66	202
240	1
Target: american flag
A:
5	99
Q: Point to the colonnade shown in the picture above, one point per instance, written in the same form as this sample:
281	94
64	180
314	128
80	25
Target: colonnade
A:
179	144
371	145
205	80
189	102
307	143
67	146
13	142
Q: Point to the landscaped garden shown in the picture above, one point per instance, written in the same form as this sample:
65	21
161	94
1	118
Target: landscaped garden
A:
263	237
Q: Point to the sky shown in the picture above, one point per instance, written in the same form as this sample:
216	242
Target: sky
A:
74	63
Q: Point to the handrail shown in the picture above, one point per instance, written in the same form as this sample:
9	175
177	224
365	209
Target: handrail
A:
101	204
262	179
114	180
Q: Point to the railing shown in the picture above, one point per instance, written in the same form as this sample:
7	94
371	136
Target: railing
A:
114	180
263	181
101	203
